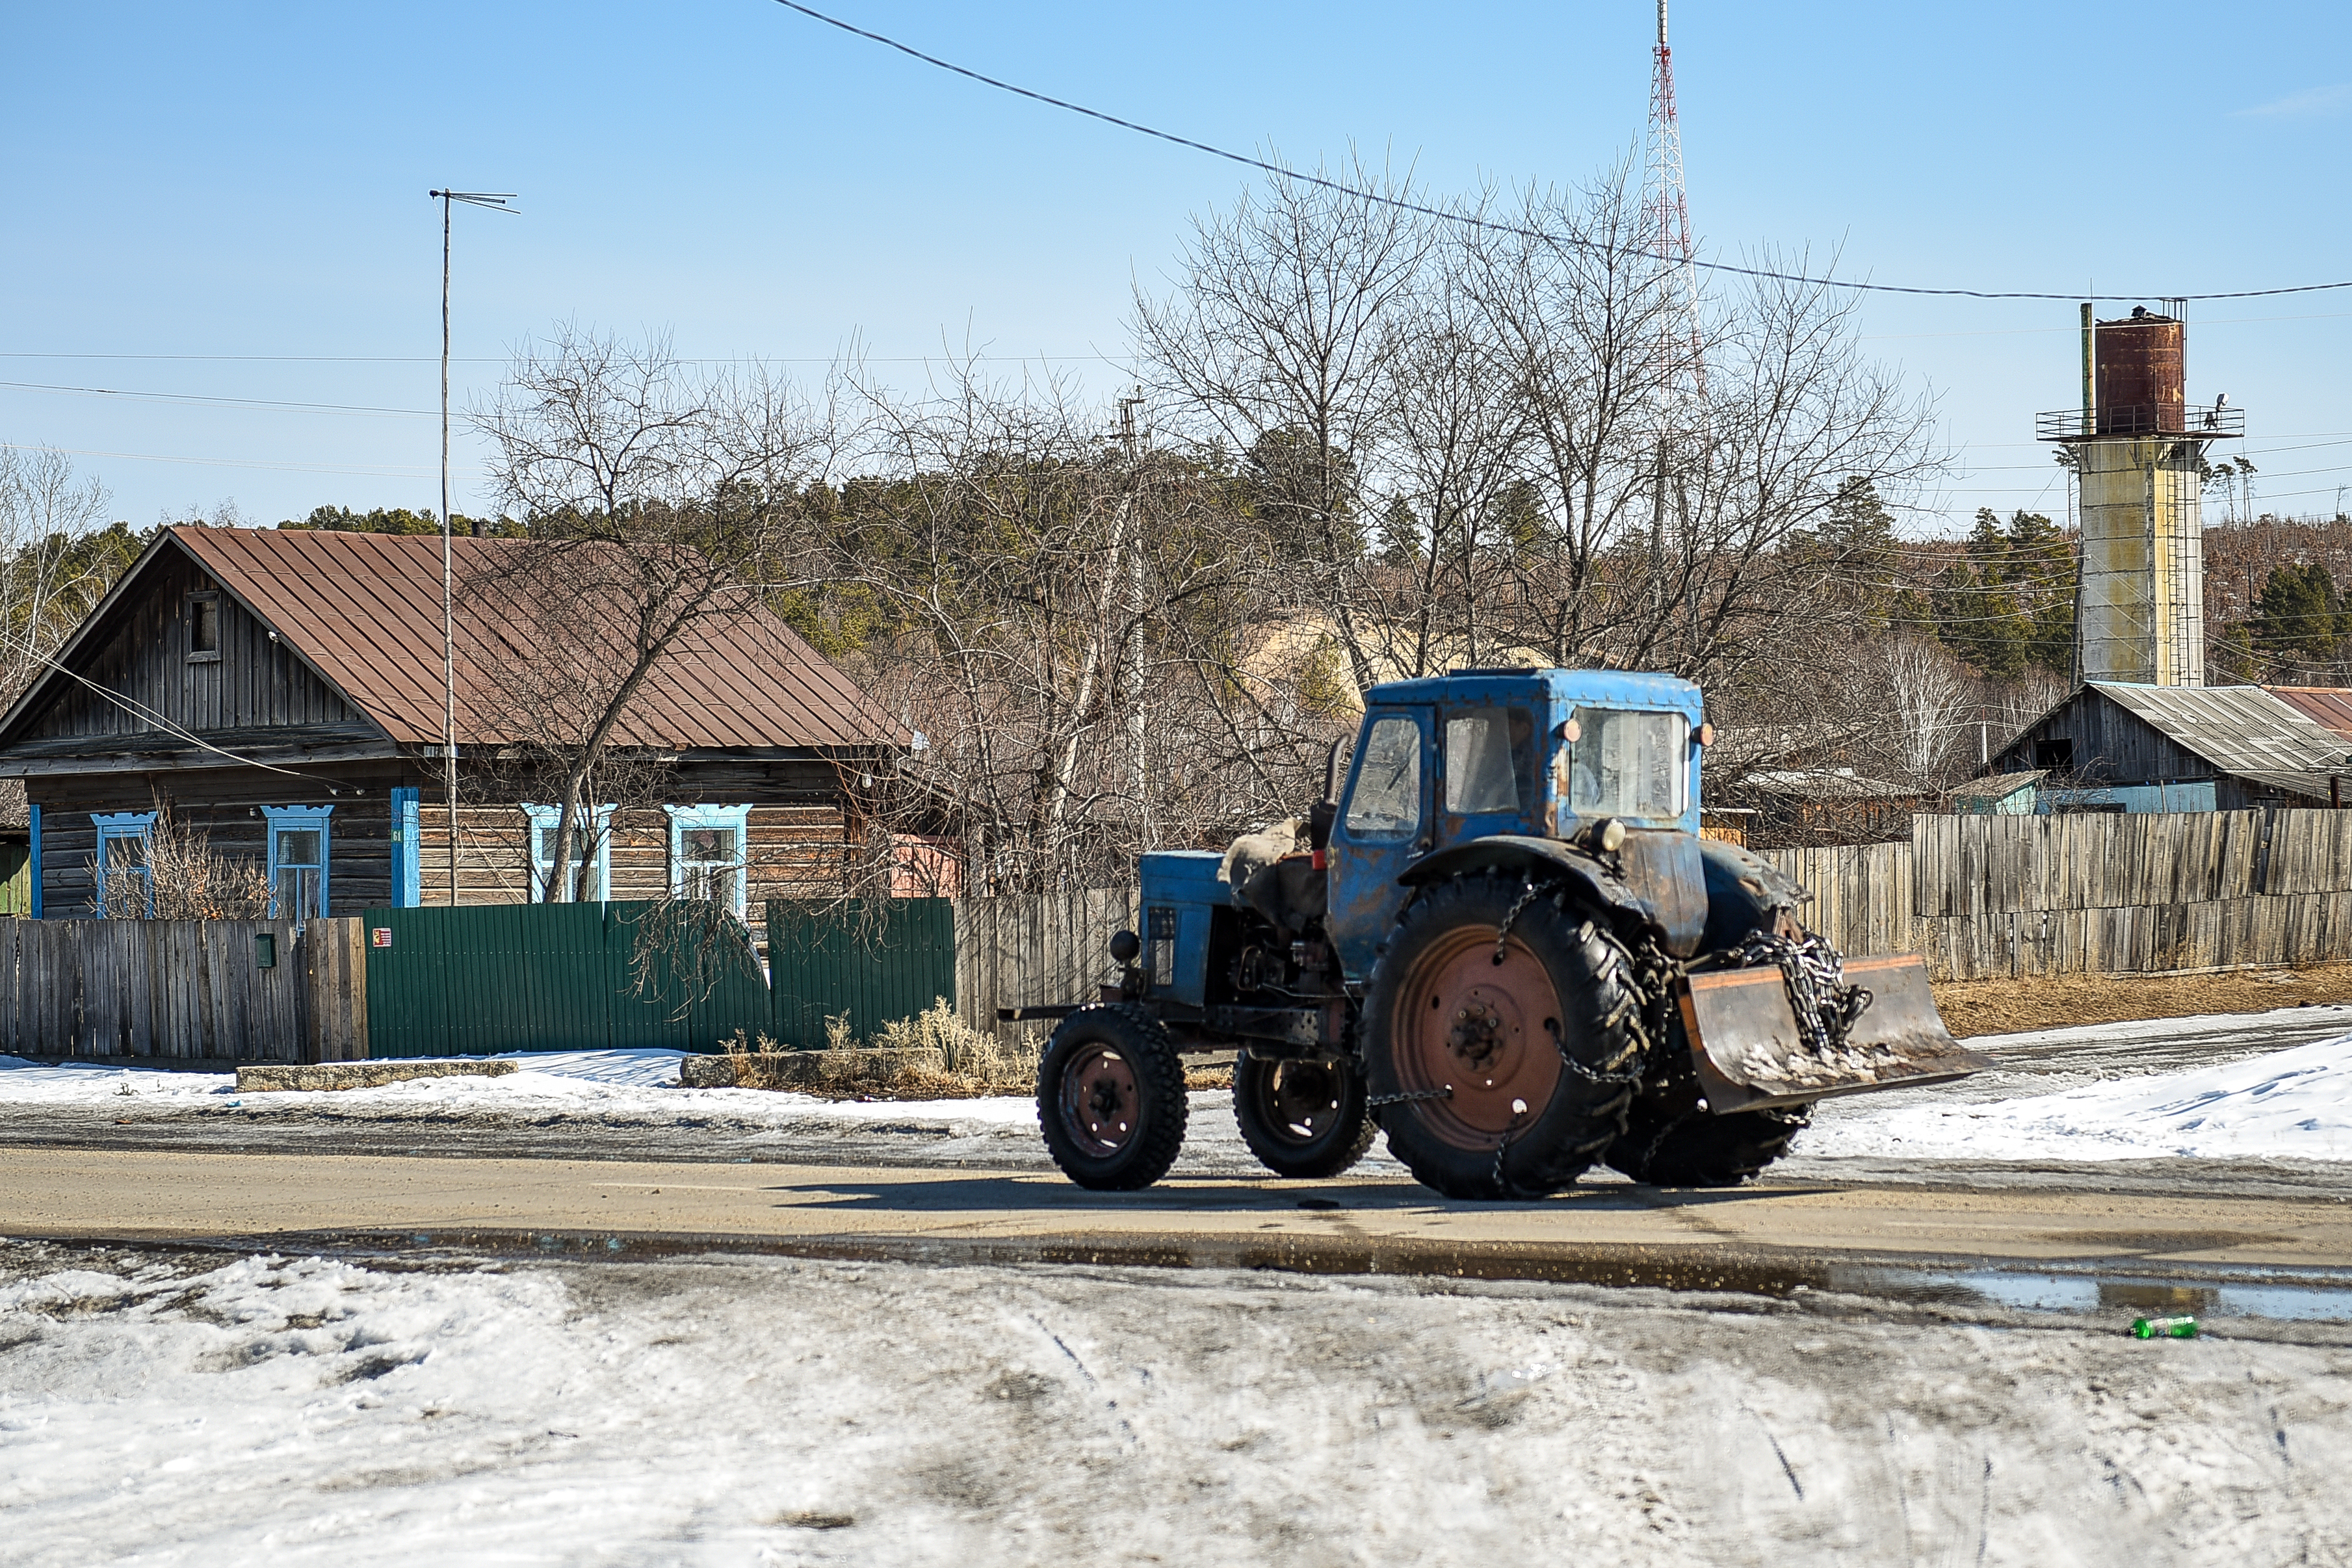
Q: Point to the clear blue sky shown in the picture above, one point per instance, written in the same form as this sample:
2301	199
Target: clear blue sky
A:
194	184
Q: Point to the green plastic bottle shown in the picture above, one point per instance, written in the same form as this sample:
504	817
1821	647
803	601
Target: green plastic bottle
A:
2182	1328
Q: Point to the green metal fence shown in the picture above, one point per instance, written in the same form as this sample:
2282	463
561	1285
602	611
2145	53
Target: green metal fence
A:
873	960
477	980
481	980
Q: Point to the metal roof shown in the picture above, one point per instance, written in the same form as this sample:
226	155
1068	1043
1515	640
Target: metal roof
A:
364	610
1828	783
2328	706
2245	730
1996	786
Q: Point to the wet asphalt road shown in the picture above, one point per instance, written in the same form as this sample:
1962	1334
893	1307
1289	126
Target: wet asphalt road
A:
2041	1063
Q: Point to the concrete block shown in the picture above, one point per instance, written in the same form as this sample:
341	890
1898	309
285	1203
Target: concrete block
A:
813	1071
360	1074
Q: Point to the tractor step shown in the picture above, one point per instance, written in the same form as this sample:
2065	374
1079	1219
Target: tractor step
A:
1750	1053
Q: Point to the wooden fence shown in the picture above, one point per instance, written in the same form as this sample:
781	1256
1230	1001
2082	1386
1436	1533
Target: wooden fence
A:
1041	948
1992	897
187	991
1978	897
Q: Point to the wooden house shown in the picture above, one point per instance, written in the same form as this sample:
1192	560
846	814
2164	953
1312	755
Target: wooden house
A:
284	692
2116	747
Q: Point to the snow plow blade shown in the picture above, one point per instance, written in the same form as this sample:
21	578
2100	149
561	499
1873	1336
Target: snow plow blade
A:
1750	1054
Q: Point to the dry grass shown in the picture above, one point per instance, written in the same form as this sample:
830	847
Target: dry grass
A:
934	1055
2006	1006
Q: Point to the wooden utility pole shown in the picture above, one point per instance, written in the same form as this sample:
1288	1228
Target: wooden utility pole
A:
495	202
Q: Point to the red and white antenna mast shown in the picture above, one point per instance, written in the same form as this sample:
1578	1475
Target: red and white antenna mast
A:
1669	239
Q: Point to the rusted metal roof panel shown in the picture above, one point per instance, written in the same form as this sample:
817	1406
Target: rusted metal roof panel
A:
365	609
2328	706
2240	730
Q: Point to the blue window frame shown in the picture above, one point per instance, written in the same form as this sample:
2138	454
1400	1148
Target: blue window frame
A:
122	854
407	870
36	815
543	819
298	861
710	853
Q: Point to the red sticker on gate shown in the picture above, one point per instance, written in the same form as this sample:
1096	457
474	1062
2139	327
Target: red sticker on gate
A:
381	935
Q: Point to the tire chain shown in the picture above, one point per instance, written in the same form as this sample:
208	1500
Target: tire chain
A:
1375	1102
1503	932
1627	1012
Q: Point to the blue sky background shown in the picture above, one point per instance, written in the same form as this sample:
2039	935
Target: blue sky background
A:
228	201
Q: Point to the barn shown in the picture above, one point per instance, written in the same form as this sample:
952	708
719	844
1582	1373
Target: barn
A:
2117	747
283	691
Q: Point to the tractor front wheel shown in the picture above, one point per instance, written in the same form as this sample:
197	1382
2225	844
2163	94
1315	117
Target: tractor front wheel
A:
1301	1119
1686	1147
1499	1038
1110	1098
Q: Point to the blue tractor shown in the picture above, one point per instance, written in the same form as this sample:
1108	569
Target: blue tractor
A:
1505	944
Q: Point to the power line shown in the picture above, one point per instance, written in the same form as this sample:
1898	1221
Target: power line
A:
1279	172
373	472
216	401
732	358
138	710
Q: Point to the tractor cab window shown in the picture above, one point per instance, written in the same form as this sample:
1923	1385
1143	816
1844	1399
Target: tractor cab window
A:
1487	759
1629	765
1386	801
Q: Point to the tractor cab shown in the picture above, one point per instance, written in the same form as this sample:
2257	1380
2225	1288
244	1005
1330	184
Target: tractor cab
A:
1451	773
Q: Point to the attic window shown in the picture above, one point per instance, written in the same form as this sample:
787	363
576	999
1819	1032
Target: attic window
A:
2055	757
204	627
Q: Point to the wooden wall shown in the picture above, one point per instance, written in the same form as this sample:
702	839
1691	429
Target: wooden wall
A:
227	805
256	682
796	852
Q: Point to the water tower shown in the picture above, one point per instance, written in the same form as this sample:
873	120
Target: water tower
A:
2139	463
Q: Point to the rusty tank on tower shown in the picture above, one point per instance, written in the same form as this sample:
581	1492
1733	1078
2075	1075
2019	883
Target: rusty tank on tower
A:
2140	462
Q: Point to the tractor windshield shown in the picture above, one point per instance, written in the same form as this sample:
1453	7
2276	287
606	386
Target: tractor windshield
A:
1629	765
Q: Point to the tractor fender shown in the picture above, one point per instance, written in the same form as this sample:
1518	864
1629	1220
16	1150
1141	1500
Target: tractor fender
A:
1542	856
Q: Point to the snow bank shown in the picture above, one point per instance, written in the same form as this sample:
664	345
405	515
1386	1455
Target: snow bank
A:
302	1412
634	1086
2290	1104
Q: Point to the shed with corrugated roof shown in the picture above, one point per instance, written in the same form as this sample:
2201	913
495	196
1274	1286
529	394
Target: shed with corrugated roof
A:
2111	746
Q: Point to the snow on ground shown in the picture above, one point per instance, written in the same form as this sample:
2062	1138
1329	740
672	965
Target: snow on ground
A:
633	1085
2289	1104
2240	1097
187	1409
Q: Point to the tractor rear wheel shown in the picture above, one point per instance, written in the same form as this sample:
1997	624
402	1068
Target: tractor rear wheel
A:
1499	1038
1693	1149
1110	1098
1302	1118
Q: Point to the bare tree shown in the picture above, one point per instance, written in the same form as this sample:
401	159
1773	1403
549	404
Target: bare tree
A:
654	498
174	874
1277	348
1927	693
54	564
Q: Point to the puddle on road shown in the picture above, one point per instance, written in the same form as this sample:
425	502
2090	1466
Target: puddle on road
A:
2301	1298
